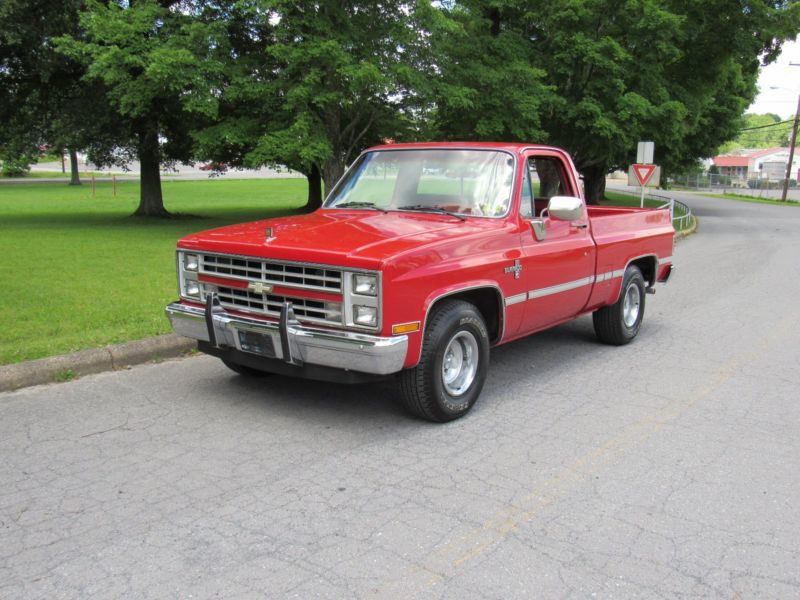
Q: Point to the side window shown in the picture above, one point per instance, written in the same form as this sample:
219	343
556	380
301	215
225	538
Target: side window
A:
547	180
526	196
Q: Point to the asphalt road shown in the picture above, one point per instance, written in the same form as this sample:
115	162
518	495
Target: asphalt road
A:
667	468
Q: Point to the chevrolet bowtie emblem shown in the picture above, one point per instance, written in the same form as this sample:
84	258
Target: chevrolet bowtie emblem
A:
515	269
259	288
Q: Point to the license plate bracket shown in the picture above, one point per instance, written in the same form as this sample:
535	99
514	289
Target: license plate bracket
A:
257	343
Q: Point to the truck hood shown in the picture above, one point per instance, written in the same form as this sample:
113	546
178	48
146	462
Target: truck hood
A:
349	237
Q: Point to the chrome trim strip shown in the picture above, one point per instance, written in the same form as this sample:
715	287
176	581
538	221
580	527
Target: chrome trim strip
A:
330	348
496	288
516	299
608	276
621	272
666	259
561	287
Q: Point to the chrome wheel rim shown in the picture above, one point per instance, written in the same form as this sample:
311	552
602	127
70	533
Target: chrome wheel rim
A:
460	363
631	305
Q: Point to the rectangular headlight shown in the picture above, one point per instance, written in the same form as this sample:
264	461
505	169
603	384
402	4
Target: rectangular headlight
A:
365	315
191	262
365	285
192	288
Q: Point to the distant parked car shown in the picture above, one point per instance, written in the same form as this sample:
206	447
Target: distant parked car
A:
214	166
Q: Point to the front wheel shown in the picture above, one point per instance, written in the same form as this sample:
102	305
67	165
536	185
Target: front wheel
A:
453	364
619	323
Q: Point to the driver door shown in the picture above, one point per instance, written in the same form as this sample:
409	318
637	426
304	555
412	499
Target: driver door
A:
559	269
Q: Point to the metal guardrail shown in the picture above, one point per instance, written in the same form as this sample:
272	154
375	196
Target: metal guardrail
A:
681	214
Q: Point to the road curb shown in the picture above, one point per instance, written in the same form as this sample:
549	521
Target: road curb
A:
687	232
95	360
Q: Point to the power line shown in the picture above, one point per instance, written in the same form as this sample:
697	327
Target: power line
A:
770	125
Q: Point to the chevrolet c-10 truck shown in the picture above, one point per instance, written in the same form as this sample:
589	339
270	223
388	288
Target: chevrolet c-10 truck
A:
422	258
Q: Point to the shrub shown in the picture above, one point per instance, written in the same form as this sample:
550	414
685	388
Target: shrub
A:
15	167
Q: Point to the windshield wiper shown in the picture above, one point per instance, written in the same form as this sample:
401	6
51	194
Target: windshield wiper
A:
369	205
432	209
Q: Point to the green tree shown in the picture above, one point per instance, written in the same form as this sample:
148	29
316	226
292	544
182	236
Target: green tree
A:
722	48
44	100
759	131
488	85
309	85
154	59
605	59
611	73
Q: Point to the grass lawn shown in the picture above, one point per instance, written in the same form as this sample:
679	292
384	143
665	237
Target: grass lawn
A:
79	272
86	176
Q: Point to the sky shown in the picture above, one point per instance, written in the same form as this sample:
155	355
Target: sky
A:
781	101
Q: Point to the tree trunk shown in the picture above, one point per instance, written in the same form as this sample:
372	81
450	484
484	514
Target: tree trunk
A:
332	171
314	189
75	178
151	202
594	184
493	14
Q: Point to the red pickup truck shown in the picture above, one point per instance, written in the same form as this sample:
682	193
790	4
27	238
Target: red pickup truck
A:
422	258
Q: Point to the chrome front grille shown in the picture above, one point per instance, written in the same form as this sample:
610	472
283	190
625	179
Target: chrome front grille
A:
288	276
283	274
317	311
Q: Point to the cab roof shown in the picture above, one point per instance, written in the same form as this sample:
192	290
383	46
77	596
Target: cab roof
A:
515	147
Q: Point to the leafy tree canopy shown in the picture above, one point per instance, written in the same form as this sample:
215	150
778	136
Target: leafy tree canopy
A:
611	73
759	131
153	61
308	85
44	101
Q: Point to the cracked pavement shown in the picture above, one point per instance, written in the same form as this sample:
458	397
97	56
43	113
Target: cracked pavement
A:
666	468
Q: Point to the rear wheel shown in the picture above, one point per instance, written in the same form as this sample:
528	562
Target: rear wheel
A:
453	364
619	323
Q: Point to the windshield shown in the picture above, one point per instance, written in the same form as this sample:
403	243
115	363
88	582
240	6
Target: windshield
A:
462	182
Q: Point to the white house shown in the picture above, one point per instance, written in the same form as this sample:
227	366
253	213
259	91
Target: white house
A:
769	163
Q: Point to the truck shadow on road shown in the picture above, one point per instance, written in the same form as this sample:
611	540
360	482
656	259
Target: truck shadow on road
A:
530	362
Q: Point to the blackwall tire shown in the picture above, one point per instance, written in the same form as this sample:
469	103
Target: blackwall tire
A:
619	323
453	365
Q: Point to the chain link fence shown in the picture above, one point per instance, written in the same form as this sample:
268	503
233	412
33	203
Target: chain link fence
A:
760	187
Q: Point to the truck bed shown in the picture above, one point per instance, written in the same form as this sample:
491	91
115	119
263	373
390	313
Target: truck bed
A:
623	234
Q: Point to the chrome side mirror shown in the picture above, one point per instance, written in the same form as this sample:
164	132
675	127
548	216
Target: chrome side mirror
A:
539	228
565	208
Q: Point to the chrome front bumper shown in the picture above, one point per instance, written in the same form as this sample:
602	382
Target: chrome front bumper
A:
288	340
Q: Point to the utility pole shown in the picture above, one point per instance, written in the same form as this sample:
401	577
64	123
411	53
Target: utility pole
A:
792	142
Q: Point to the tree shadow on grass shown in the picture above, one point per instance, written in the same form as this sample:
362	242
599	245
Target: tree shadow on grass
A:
88	219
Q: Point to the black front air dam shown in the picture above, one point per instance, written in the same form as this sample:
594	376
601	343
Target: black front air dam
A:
279	367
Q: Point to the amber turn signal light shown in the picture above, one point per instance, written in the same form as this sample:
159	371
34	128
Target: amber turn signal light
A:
405	328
